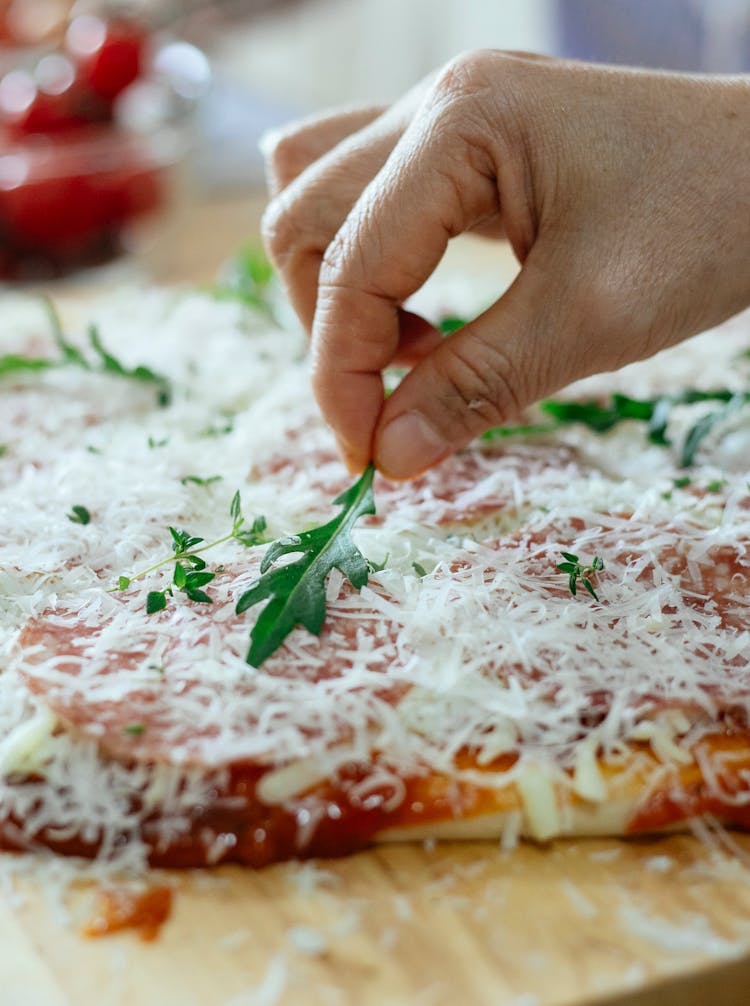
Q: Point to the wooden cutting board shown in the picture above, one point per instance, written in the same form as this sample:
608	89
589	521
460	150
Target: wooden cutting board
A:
631	922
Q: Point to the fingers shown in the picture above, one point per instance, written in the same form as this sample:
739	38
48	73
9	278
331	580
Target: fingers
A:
480	377
317	193
290	151
300	223
438	181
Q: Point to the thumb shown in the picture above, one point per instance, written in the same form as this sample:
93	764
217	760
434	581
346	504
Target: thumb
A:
480	377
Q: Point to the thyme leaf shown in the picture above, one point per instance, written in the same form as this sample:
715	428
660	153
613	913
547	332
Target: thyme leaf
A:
79	515
576	570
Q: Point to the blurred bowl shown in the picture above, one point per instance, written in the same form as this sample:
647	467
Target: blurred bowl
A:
76	192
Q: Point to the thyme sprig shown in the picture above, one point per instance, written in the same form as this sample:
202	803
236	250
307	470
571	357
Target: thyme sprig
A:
190	574
577	570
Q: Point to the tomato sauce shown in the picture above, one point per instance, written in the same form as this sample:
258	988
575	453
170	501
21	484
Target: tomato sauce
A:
117	910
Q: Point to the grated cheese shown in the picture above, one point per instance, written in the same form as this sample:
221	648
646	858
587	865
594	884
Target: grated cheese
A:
488	652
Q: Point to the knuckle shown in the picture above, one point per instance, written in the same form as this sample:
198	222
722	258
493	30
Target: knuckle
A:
278	230
287	152
465	75
340	259
482	387
286	228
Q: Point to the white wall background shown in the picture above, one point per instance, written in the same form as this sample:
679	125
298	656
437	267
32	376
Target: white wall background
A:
330	52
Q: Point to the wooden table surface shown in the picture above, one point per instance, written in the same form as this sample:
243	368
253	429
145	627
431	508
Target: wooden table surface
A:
627	923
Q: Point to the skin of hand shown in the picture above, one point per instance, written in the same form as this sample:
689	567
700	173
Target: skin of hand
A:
625	195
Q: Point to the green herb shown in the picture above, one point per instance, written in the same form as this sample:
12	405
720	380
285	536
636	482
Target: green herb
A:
153	443
14	364
716	486
576	571
108	364
219	429
190	574
79	515
134	729
198	481
297	590
450	325
103	362
680	483
378	567
3	450
603	416
528	430
419	569
698	433
248	278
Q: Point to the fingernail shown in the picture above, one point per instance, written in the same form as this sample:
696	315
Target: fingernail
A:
408	445
353	464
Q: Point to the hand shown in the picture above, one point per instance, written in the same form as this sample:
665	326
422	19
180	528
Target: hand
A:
624	194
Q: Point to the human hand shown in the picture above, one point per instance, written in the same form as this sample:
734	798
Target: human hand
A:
624	194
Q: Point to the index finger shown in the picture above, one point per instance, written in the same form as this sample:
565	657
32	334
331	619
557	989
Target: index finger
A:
431	188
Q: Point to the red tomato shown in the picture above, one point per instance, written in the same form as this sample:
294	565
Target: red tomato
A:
109	55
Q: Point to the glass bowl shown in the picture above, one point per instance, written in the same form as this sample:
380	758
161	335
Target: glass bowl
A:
86	176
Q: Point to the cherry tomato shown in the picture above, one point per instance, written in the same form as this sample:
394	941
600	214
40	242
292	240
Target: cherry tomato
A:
109	55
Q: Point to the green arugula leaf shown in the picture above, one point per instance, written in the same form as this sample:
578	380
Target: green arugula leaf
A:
109	364
700	430
655	412
70	355
13	364
248	279
297	590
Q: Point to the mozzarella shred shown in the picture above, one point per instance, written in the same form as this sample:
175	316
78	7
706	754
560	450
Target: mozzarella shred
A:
464	681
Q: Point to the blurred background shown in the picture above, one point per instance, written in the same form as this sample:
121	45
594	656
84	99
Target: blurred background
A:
100	103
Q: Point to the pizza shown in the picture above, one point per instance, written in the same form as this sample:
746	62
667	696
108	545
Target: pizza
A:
552	640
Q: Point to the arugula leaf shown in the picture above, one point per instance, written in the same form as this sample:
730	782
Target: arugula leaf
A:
109	364
603	416
70	355
297	590
248	278
700	430
13	364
